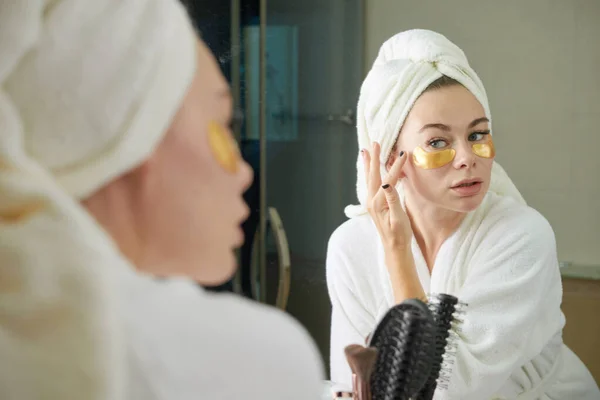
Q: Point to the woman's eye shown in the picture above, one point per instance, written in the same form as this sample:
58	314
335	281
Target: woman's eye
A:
437	143
477	136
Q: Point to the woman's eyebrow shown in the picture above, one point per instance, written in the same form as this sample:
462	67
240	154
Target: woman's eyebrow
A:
478	121
438	125
446	128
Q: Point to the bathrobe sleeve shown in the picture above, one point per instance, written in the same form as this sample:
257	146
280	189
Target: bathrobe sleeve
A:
351	322
513	291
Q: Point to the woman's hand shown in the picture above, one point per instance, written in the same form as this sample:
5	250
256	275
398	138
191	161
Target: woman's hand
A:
393	225
383	203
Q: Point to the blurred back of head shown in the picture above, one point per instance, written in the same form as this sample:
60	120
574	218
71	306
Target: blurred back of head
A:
88	89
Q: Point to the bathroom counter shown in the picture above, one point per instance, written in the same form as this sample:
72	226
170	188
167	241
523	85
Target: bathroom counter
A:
574	271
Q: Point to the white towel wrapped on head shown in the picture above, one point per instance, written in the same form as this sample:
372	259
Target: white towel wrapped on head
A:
87	90
96	84
406	65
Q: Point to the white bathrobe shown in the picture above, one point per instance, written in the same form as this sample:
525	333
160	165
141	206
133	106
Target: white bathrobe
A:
184	343
501	261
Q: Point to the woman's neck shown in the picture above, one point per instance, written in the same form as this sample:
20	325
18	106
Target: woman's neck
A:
431	225
111	209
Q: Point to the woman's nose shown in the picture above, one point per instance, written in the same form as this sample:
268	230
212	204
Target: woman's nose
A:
465	158
246	175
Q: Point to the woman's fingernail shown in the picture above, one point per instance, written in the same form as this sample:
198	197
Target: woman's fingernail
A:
387	185
401	153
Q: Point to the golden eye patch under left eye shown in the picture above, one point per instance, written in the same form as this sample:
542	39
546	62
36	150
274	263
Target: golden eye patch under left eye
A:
223	147
434	159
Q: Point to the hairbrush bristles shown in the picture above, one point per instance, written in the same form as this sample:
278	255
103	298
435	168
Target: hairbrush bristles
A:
446	310
405	340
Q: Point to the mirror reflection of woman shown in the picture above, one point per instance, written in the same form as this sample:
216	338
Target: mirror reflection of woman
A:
117	165
437	214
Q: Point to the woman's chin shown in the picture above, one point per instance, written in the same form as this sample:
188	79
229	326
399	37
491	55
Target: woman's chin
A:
218	271
468	204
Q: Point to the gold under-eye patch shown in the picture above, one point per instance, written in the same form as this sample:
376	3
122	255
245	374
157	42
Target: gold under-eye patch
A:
223	147
485	150
437	159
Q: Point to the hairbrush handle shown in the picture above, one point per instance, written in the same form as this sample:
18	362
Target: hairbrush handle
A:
362	361
361	388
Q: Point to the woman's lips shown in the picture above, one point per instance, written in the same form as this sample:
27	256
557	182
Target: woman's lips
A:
467	190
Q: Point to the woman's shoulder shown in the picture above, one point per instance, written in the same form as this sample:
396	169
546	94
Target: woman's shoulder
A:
504	218
354	236
352	250
198	337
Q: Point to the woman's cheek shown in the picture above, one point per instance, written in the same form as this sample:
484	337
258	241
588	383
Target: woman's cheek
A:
223	148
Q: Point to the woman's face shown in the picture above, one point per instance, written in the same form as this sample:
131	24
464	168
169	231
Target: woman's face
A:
450	118
191	199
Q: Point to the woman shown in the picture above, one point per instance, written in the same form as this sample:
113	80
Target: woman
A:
445	218
117	166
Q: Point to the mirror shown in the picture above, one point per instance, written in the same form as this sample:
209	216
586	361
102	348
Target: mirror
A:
296	69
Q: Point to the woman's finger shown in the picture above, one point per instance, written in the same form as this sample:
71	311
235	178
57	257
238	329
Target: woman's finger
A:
366	159
379	202
395	171
392	199
374	179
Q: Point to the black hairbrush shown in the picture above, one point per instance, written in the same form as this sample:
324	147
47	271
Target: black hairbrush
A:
445	310
405	341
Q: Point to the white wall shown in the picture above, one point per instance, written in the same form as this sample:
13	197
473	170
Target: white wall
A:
540	63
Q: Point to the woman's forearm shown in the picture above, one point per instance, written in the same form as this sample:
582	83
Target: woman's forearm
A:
403	276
